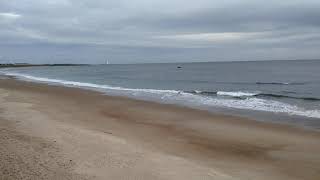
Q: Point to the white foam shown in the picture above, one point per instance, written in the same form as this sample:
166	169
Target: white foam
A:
263	105
174	96
252	103
235	94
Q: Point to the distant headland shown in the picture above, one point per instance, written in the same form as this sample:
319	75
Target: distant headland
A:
9	65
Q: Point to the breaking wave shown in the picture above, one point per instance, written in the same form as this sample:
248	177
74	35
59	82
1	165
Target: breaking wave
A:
236	94
280	83
251	100
239	94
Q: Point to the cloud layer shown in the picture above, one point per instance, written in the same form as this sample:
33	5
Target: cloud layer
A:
126	31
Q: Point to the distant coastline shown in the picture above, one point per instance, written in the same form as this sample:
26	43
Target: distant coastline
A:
14	65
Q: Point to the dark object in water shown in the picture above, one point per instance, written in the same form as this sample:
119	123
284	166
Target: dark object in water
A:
179	67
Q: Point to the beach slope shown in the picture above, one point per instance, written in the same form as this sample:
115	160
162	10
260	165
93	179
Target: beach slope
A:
52	132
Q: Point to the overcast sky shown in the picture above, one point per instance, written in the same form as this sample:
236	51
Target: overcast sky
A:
133	31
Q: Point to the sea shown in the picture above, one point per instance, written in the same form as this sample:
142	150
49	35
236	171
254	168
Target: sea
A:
276	91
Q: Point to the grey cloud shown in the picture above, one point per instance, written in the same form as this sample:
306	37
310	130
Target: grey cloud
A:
130	31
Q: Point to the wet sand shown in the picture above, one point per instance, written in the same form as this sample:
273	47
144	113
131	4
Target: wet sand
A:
52	132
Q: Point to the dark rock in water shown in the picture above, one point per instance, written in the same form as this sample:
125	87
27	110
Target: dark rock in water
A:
179	67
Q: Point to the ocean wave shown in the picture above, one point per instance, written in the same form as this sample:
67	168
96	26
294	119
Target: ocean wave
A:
239	94
279	83
286	96
236	93
88	85
264	83
264	105
224	93
202	92
191	98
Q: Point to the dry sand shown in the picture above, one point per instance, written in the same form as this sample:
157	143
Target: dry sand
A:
52	132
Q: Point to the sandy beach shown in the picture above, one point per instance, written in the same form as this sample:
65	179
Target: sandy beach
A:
53	132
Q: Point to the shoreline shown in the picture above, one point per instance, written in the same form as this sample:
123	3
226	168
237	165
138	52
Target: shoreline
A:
299	121
219	111
96	136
